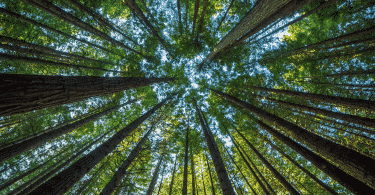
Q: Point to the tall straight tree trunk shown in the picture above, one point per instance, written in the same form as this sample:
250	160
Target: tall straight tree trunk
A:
173	173
348	102
134	7
52	9
29	144
196	9
83	187
356	164
24	93
266	12
63	181
161	181
345	117
121	171
346	180
201	21
323	185
186	160
100	19
179	17
61	166
221	172
204	186
156	174
192	171
225	15
340	85
278	176
209	172
33	22
50	63
186	14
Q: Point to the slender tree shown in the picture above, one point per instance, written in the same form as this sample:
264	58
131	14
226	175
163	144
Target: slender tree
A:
24	93
186	160
192	171
173	174
356	164
156	173
196	9
63	181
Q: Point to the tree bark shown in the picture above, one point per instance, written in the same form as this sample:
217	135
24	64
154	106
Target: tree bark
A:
221	172
225	15
192	171
204	186
179	17
201	21
173	173
196	9
348	102
356	164
161	181
61	166
209	171
24	93
349	182
156	174
29	144
184	184
63	181
122	170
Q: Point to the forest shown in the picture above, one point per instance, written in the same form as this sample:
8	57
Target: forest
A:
169	97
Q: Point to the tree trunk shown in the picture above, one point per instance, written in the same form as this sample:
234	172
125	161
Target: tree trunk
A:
161	181
204	186
134	7
201	21
184	184
278	176
209	171
323	185
186	14
196	9
49	63
29	144
173	173
122	170
63	181
27	20
349	182
221	172
156	174
347	102
83	187
61	166
24	93
358	165
225	15
179	17
67	17
345	117
33	47
341	85
269	10
192	171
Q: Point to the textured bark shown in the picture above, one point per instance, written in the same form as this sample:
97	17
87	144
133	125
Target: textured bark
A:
225	15
161	181
221	172
348	102
52	9
173	173
29	144
184	184
349	182
156	174
356	164
49	63
323	185
63	181
134	7
278	176
204	186
341	85
269	10
186	14
83	187
27	20
61	166
40	50
179	16
121	171
24	93
209	172
196	9
345	117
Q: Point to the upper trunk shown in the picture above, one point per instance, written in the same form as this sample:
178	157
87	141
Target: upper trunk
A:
184	184
156	174
196	9
173	173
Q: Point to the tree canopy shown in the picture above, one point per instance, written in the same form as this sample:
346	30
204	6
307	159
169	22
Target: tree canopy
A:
187	97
